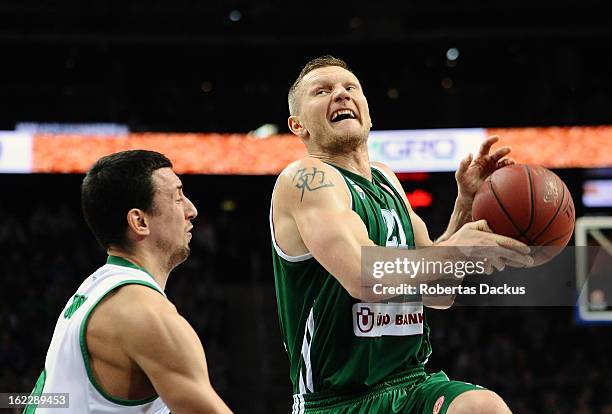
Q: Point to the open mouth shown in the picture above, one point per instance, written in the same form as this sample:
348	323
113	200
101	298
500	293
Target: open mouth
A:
342	114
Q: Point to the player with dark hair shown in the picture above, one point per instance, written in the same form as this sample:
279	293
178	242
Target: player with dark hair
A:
119	345
325	208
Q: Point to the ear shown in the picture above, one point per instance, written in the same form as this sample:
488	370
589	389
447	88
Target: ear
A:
296	127
138	223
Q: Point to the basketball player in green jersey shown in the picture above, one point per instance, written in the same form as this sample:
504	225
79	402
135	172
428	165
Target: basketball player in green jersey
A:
119	345
325	207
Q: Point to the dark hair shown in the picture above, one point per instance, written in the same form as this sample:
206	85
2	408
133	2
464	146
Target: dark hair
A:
316	63
114	185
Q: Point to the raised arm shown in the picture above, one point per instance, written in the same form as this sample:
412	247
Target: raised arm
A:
311	212
461	230
470	175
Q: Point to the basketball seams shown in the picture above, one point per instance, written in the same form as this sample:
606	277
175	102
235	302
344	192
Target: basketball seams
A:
504	201
554	217
532	200
569	232
508	216
548	243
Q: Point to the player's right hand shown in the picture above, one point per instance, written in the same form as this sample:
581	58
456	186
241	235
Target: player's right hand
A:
476	240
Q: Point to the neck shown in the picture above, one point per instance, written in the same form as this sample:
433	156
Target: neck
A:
146	261
356	161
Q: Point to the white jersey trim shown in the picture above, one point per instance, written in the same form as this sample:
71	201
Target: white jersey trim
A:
85	350
66	362
306	345
307	255
280	252
298	404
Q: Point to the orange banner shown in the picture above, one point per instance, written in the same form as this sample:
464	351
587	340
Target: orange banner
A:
190	153
552	147
556	147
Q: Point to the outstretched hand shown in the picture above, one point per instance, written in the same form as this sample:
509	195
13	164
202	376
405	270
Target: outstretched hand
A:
472	172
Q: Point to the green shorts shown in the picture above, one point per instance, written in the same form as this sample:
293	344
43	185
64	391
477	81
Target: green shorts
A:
410	393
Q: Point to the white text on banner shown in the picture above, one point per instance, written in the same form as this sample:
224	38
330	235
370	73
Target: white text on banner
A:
424	150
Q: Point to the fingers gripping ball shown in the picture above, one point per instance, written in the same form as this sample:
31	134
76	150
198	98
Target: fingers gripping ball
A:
528	203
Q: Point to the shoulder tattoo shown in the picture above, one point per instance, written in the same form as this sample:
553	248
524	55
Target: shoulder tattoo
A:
310	179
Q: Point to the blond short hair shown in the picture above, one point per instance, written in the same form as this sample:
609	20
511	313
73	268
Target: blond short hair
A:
316	63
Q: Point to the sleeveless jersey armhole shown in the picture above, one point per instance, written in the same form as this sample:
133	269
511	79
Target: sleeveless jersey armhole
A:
307	255
85	350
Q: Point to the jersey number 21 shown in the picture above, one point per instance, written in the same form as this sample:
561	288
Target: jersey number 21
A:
393	222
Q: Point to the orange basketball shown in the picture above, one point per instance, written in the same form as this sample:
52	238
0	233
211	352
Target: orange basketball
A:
529	203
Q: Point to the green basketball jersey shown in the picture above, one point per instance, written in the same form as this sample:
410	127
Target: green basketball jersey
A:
334	342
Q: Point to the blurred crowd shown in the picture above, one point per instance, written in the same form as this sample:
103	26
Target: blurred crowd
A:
538	360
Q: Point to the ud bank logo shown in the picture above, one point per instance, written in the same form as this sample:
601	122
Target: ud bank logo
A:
371	320
365	319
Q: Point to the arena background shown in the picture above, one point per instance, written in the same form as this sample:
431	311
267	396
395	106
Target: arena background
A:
225	67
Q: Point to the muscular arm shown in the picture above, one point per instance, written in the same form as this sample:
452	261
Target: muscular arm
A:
167	349
456	235
470	175
312	212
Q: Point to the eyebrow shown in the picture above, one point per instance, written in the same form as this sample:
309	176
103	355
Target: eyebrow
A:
318	84
322	83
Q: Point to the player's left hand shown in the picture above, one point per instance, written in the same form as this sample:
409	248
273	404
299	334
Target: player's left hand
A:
473	171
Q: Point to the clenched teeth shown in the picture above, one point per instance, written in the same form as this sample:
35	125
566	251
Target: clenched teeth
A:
342	114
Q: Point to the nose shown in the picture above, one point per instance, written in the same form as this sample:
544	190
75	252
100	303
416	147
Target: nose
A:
340	93
191	212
